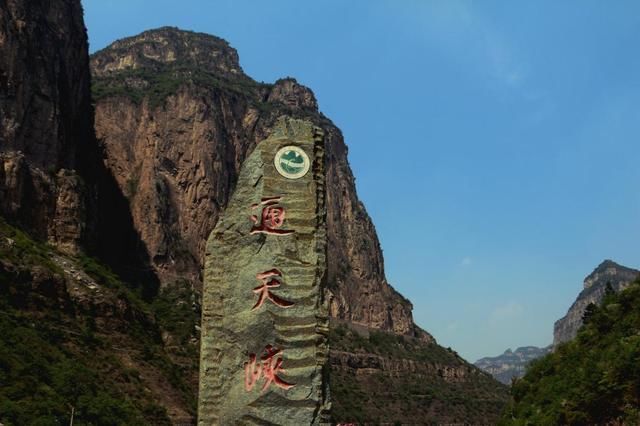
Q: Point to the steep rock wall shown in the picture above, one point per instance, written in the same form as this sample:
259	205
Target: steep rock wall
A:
45	118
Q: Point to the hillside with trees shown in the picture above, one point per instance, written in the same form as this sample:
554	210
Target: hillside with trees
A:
593	379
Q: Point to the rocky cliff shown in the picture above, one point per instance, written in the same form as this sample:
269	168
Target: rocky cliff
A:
594	290
511	364
177	116
45	118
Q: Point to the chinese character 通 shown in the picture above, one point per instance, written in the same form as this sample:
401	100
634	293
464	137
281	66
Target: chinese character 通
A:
272	218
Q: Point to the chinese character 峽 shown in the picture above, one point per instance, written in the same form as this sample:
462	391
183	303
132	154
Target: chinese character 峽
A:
269	367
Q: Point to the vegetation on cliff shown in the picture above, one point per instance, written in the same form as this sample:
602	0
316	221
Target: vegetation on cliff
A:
156	86
381	377
94	351
593	379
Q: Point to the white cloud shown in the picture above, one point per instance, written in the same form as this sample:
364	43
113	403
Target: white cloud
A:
505	312
460	31
465	262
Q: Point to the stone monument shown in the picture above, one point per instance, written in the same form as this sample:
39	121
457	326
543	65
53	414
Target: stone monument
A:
264	350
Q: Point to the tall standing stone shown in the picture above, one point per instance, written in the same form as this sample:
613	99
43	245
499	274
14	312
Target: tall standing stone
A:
264	348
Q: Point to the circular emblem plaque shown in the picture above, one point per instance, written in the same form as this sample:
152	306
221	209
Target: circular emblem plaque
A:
292	162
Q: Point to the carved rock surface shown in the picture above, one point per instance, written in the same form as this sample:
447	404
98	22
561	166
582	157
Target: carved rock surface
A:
177	117
45	117
566	328
243	318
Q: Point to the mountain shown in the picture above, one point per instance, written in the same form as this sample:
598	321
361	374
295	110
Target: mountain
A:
106	218
511	363
176	116
594	290
593	379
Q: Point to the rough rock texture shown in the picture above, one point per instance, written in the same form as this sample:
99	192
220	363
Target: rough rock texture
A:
236	326
177	117
594	289
45	117
511	363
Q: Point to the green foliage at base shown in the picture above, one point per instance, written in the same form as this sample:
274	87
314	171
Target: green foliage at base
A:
174	311
389	344
593	379
41	381
58	355
16	246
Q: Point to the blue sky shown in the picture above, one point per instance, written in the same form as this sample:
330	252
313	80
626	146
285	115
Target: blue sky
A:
495	144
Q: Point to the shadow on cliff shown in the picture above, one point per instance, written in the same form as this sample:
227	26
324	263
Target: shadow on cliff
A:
112	235
118	242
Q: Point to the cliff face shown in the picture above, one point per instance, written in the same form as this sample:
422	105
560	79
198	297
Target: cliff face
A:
511	363
595	285
45	118
177	116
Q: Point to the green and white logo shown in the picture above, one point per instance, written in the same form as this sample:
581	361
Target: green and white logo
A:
292	162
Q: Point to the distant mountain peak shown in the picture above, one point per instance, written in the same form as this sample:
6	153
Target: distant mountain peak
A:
608	270
511	363
594	290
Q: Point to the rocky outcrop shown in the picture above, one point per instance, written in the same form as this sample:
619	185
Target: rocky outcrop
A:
177	116
383	378
511	364
595	287
359	364
45	115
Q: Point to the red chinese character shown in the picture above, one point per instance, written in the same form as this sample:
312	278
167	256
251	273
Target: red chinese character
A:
264	290
269	369
272	218
252	372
